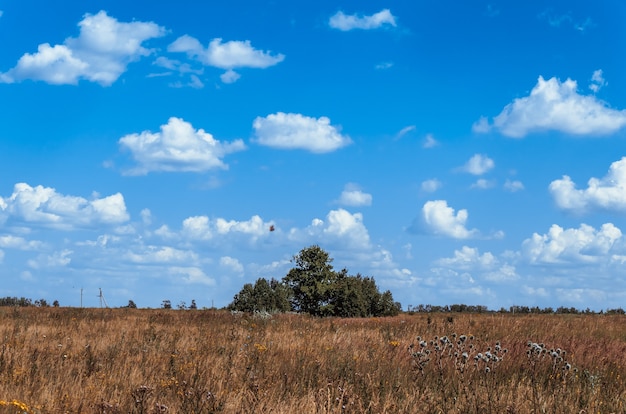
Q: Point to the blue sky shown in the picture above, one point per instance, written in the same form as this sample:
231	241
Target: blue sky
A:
466	153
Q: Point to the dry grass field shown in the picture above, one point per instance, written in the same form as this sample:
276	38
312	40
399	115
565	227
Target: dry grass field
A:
64	360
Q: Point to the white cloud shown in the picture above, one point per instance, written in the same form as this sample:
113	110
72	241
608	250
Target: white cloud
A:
442	220
44	206
405	131
191	275
384	65
597	81
9	241
232	265
469	258
430	186
99	54
608	193
483	184
352	196
229	55
346	22
162	254
230	76
341	229
555	106
295	131
201	228
254	227
513	186
479	164
430	141
178	147
56	259
582	245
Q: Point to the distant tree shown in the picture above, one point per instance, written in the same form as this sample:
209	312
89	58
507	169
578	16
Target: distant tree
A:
193	305
42	303
15	301
55	303
131	305
182	305
166	304
263	296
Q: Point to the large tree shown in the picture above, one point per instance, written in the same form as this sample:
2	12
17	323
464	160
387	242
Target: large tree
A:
312	281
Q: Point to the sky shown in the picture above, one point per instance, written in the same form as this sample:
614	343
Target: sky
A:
465	152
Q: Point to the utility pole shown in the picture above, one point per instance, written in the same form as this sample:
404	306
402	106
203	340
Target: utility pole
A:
102	299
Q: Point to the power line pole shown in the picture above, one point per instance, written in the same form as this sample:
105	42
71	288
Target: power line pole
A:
102	299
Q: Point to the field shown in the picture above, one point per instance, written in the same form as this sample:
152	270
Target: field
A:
65	360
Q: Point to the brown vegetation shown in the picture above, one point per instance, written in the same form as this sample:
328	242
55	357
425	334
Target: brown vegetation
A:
56	360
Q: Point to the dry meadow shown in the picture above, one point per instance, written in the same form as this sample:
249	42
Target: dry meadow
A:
68	360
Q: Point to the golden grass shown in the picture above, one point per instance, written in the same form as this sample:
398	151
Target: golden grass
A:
56	360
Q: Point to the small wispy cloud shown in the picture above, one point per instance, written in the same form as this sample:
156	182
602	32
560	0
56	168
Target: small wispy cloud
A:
491	11
430	186
513	185
405	131
597	81
559	20
429	141
384	65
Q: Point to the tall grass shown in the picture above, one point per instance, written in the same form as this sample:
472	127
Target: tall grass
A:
58	360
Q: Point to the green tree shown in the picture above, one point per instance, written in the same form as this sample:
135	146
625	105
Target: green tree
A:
264	296
311	281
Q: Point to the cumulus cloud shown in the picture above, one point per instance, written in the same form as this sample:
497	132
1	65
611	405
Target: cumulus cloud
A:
226	55
430	186
352	196
232	265
178	147
597	81
161	254
101	53
608	193
479	164
15	242
56	259
555	106
482	184
468	258
295	131
577	246
513	185
341	229
345	22
442	220
191	275
203	228
46	207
